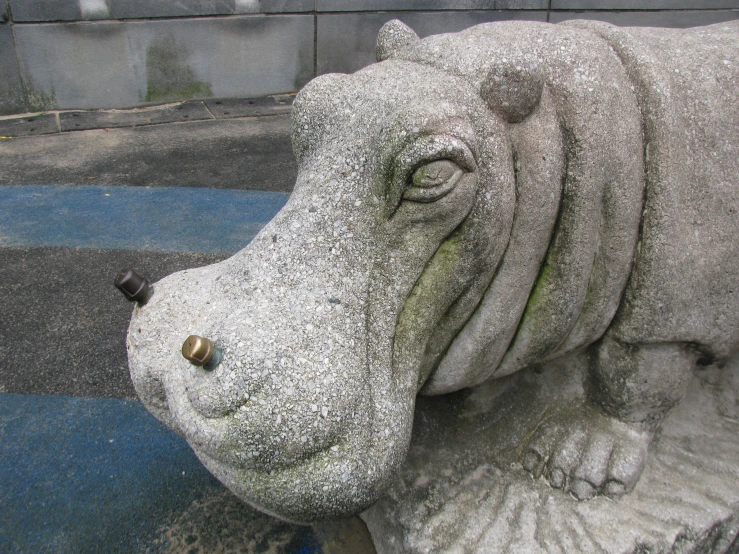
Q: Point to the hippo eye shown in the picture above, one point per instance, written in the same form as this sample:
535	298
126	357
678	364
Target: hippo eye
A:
433	181
429	168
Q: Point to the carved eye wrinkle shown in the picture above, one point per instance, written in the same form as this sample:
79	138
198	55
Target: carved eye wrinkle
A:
430	167
434	173
432	181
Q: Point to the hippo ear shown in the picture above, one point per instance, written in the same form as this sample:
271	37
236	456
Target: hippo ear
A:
393	37
513	90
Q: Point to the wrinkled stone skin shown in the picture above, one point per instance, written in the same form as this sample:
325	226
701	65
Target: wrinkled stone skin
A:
474	204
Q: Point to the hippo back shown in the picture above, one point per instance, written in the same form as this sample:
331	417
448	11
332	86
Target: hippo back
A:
685	282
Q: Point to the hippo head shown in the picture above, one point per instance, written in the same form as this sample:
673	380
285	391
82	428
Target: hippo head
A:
332	319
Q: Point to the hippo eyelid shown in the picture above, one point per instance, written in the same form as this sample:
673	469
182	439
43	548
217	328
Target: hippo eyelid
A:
433	173
437	153
435	147
430	192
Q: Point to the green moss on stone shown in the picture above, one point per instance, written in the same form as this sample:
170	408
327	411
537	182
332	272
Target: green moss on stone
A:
169	77
433	281
422	309
39	101
541	293
197	89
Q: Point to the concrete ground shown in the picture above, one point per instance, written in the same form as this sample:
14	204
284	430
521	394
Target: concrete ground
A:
83	466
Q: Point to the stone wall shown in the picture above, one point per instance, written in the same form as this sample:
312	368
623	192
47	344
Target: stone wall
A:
86	54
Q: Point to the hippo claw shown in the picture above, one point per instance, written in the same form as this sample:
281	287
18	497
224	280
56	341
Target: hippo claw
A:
587	453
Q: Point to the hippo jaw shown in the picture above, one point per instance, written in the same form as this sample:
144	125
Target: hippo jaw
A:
336	313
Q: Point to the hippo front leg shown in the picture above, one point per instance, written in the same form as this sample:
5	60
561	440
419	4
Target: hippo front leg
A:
600	446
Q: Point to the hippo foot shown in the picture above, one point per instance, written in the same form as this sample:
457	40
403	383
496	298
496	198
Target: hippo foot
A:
585	452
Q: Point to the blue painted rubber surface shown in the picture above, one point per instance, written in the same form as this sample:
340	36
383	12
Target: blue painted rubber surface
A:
82	475
87	475
170	219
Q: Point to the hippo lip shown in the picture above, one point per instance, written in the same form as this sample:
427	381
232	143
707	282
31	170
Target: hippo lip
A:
297	485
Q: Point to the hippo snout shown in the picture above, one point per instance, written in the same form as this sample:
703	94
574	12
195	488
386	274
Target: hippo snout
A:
282	381
286	419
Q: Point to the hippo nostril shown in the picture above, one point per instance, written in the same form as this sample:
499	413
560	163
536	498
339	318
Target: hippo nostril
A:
133	286
201	352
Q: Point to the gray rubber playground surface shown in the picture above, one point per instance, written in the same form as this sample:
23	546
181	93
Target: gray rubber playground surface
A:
83	466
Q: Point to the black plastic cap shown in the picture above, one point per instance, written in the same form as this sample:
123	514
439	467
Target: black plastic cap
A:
133	286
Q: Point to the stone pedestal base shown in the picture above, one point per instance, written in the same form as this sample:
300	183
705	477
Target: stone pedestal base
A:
462	488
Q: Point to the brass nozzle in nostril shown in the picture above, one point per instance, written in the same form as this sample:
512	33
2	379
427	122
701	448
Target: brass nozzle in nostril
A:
201	352
133	286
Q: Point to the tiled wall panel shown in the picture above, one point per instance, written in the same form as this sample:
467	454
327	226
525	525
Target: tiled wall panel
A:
682	19
11	86
426	5
287	6
121	64
45	10
123	53
168	8
75	10
643	4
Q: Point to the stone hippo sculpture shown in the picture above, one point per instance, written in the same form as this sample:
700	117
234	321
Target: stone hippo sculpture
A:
474	204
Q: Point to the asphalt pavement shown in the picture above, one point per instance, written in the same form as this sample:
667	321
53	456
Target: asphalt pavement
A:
83	466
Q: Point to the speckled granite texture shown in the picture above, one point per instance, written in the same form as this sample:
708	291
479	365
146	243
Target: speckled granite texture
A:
462	488
474	206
